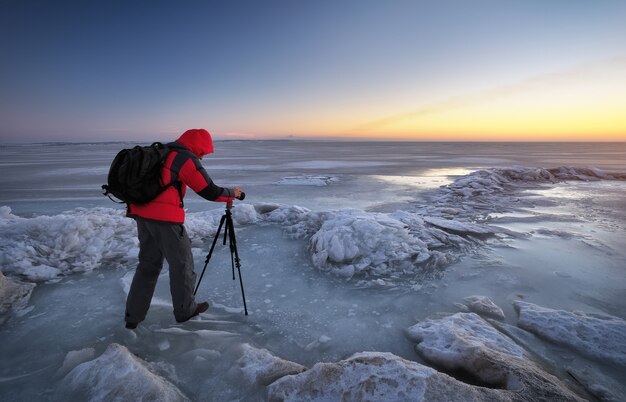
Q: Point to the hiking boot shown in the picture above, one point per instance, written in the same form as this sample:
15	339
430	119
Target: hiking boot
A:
200	308
131	325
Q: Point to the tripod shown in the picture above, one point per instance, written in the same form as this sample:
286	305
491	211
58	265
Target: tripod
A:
229	233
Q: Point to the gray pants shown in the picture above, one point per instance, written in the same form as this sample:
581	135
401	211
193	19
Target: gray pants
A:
158	240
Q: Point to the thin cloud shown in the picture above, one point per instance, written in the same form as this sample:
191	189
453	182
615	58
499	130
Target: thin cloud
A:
557	78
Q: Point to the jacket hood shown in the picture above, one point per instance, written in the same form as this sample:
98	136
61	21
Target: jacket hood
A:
198	141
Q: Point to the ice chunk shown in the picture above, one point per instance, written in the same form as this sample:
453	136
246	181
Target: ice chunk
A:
465	342
261	367
351	237
14	295
244	214
117	375
74	358
298	220
598	336
483	305
373	376
459	341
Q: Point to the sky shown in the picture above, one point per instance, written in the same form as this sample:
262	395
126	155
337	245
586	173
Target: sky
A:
527	70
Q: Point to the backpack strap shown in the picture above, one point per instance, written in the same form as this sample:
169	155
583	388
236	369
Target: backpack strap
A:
179	186
183	154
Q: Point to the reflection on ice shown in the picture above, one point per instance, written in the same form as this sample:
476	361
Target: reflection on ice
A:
428	179
447	172
567	191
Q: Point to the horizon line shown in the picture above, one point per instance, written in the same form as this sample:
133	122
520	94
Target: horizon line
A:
322	139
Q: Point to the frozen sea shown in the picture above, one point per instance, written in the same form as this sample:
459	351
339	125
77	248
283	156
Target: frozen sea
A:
343	246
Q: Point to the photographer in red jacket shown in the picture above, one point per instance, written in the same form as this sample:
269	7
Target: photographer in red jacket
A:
162	234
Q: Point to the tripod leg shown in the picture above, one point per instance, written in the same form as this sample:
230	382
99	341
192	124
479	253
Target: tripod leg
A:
235	253
208	257
243	295
232	250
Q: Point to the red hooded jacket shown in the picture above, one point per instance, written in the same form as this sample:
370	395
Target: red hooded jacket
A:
182	167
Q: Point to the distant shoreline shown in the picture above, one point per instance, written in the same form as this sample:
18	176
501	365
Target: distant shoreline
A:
316	140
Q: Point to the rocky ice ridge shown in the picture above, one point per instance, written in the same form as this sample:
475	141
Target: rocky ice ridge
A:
466	343
463	344
45	247
377	376
498	189
378	248
468	357
371	248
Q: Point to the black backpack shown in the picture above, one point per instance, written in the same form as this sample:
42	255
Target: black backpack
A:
135	174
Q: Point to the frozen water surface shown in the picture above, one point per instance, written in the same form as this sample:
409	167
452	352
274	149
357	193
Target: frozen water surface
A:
343	247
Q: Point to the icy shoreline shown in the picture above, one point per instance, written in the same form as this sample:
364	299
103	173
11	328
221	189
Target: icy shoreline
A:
367	249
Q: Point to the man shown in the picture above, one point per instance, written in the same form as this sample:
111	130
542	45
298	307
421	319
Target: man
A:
162	233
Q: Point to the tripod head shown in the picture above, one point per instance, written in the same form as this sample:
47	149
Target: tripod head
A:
229	204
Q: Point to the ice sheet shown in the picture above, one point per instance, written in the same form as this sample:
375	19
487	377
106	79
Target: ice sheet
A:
329	271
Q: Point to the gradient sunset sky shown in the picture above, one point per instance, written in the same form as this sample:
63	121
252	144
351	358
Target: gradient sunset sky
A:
414	70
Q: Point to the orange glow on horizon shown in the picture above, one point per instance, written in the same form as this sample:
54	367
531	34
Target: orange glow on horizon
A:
582	104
